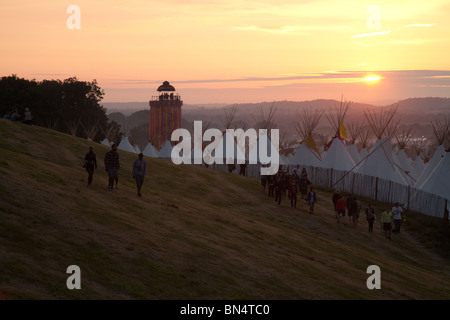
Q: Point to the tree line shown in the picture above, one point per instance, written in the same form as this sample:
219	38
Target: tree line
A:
70	106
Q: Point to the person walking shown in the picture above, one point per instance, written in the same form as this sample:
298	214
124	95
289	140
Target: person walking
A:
334	199
292	192
112	166
350	208
370	216
278	188
386	220
90	164
356	210
139	170
312	199
397	212
340	209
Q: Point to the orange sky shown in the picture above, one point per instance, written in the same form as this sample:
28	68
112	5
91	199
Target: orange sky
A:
234	51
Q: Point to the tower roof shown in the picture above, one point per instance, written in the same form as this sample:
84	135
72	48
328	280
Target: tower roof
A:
166	86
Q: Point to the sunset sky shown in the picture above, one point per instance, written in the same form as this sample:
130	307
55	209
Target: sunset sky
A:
234	51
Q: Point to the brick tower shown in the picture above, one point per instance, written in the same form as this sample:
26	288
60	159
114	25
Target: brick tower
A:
165	114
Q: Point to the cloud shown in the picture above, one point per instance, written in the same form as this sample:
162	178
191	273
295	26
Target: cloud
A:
428	77
424	25
372	34
287	29
282	29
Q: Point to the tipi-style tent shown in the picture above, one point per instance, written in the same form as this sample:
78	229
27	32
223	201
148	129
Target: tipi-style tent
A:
137	149
307	154
430	166
337	156
166	151
440	130
402	159
380	160
438	182
354	131
125	145
150	151
365	136
106	142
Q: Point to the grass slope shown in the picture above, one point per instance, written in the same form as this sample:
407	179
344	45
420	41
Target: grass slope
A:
195	234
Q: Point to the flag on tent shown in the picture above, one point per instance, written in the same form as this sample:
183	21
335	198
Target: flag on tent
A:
343	132
312	145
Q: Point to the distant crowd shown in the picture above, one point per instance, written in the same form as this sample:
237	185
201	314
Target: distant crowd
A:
297	183
290	185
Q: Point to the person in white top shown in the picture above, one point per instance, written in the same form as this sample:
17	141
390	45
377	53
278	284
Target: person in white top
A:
397	212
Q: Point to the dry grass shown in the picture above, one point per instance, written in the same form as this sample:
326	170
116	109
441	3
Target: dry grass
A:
195	234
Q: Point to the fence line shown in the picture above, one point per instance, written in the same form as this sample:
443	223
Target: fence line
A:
367	186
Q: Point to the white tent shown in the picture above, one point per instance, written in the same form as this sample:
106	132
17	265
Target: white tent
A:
125	145
137	149
353	151
438	182
418	166
106	142
337	157
405	165
363	153
166	150
380	162
150	151
305	156
430	166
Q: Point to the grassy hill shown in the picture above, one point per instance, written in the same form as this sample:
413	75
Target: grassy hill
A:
196	233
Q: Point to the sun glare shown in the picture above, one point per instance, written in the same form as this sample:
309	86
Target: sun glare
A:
372	78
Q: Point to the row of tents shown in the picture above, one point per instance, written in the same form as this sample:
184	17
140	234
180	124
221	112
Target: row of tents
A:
380	161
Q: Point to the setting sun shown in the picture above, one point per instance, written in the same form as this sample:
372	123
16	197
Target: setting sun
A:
372	78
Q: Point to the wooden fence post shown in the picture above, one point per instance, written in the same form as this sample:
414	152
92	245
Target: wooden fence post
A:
445	227
376	189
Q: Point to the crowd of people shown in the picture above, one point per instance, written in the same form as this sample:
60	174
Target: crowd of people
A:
282	184
290	185
352	206
112	166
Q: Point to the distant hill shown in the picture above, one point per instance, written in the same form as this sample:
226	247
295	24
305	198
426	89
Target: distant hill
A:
196	233
417	113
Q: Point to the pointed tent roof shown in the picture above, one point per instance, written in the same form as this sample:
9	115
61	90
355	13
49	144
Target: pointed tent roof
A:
405	163
106	142
430	166
363	153
125	145
137	149
380	162
418	166
166	150
253	153
353	151
337	157
438	182
150	151
305	156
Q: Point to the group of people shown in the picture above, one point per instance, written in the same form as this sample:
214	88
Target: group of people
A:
285	184
15	115
352	206
112	166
